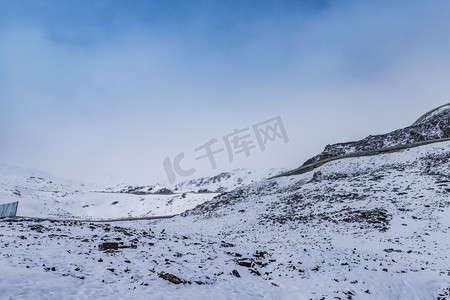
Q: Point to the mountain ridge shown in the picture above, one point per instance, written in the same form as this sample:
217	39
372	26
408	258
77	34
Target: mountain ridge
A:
434	125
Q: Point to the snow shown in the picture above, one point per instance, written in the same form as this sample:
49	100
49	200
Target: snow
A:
438	111
434	126
42	195
360	228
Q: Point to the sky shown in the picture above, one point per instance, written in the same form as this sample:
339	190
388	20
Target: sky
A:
108	90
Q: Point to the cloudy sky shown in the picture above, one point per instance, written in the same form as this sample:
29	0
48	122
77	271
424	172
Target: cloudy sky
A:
106	90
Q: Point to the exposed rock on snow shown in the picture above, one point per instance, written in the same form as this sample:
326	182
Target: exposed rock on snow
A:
436	125
108	246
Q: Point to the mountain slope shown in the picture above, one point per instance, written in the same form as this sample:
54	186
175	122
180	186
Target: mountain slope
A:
368	227
43	195
431	126
223	182
371	227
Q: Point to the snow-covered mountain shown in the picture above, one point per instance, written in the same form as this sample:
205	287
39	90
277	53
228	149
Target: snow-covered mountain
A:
38	192
431	126
220	183
43	195
370	227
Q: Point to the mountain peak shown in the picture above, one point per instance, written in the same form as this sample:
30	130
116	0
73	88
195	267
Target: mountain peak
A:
433	125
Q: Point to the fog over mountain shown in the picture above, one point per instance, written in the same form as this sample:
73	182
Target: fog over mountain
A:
106	90
239	149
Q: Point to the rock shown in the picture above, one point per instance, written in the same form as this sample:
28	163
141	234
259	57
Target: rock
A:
164	191
255	272
170	277
236	273
108	246
226	245
245	262
260	254
434	126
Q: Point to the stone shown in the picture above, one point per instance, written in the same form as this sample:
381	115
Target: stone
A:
108	246
170	277
236	273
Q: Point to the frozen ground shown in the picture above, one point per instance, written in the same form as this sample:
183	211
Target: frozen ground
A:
361	228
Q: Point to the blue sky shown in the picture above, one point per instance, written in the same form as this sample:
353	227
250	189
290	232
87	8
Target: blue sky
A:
107	89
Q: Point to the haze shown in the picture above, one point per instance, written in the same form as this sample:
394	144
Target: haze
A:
106	90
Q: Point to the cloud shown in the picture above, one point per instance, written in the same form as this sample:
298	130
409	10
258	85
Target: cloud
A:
101	89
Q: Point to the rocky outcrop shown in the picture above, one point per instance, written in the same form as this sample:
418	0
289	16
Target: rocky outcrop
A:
432	126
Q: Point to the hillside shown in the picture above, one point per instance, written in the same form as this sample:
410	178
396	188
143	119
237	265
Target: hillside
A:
431	126
46	196
370	227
